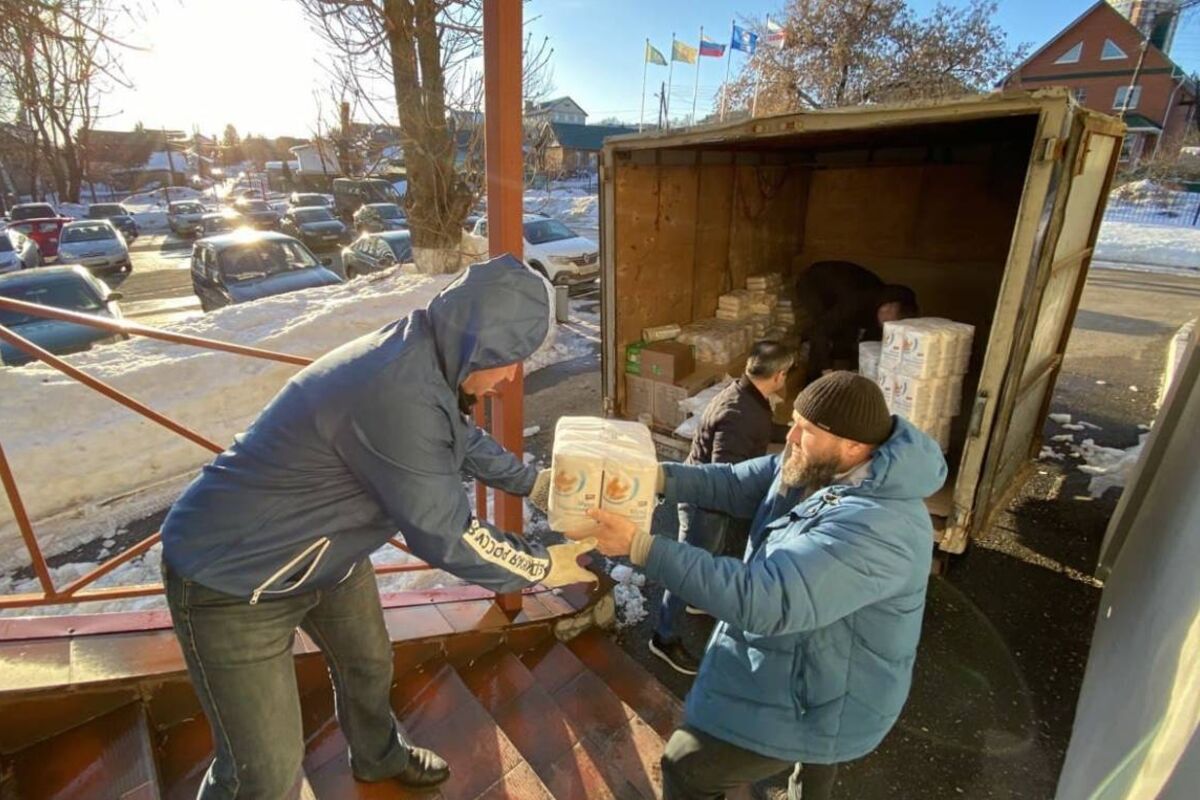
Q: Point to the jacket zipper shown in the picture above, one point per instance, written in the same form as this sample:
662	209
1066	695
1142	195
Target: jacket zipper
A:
321	544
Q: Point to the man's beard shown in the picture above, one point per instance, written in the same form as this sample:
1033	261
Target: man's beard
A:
799	471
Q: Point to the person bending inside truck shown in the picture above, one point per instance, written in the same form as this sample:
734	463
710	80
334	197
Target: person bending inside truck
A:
736	426
811	660
276	532
838	305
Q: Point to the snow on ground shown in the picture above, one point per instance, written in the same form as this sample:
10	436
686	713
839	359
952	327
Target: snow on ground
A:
86	475
1138	243
575	207
627	594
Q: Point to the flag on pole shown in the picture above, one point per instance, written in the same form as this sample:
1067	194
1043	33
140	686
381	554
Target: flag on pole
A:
775	33
683	52
744	40
711	48
654	56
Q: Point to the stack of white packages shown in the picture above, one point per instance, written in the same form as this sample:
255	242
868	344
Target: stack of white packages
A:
718	341
601	463
921	365
868	359
767	282
785	315
762	323
735	305
763	302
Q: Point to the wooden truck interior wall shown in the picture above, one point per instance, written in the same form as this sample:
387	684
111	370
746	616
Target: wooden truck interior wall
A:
931	207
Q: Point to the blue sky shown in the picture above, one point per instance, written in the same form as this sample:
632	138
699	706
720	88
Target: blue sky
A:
197	68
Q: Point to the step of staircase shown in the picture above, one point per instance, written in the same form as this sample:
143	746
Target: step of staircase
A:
111	756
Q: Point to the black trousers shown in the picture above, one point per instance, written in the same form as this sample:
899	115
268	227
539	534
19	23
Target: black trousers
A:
697	766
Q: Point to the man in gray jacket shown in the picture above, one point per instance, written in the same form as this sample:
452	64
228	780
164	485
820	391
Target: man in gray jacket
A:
277	531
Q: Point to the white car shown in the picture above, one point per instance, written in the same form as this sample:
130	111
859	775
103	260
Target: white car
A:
17	251
555	250
94	244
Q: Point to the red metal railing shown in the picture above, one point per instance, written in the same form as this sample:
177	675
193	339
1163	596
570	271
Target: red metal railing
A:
76	591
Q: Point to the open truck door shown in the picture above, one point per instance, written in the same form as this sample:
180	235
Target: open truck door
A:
1075	156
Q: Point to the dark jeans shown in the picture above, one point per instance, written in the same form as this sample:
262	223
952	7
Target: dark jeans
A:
697	766
699	528
239	657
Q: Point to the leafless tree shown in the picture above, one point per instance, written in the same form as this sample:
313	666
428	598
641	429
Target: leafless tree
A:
420	57
54	66
847	52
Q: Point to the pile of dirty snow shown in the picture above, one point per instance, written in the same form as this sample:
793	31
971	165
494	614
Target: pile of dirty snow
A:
574	207
1109	467
627	594
1150	245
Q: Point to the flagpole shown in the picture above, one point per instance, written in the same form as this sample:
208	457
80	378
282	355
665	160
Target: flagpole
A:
645	66
758	74
728	61
670	74
696	85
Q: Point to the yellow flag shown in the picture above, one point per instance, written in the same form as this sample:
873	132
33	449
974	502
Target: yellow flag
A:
683	52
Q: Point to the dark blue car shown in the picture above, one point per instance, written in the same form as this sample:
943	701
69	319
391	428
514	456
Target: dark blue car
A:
246	265
70	288
118	215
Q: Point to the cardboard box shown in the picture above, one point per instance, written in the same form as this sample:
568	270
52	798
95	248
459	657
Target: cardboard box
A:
667	362
633	358
667	396
639	396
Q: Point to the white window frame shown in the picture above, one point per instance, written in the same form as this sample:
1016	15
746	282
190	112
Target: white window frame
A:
1072	55
1135	97
1106	56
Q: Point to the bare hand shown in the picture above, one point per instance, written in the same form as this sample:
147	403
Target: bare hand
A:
613	533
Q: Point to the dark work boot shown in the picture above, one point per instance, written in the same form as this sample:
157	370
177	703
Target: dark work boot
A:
675	654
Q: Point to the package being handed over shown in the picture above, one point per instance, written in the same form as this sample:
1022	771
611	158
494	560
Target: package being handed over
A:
601	463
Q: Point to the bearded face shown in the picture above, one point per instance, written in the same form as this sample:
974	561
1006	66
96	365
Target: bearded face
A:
803	469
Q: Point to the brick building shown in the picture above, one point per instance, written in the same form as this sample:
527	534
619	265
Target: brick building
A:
1098	56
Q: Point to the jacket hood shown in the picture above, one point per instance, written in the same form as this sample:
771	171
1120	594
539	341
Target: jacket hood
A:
495	313
909	465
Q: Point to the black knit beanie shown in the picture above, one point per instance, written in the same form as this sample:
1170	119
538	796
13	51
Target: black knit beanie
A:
848	405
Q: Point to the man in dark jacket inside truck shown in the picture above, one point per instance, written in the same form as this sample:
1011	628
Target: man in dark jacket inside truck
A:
277	531
838	305
736	426
811	660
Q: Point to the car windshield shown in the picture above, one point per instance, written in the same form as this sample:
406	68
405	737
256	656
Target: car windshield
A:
71	293
303	215
389	211
33	212
259	259
401	247
105	210
309	200
87	233
187	208
547	230
255	205
379	191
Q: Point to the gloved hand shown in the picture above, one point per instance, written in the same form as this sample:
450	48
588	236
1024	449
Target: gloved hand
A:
539	496
564	569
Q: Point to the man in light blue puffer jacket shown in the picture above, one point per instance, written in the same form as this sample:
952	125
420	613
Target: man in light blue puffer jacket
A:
812	659
276	533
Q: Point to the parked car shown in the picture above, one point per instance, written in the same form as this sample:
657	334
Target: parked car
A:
316	227
183	217
71	288
555	250
238	195
17	251
44	231
376	217
258	214
118	215
95	244
24	211
372	252
246	265
350	194
299	199
218	222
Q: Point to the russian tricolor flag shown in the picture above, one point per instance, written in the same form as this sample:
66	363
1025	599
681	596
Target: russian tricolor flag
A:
714	49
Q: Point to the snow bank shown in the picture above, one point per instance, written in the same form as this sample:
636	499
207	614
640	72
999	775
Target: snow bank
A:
627	594
573	206
1156	245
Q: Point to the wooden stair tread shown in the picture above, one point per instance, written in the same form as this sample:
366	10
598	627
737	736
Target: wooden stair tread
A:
629	680
110	756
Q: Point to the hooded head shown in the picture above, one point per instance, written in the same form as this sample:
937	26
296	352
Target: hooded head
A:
495	314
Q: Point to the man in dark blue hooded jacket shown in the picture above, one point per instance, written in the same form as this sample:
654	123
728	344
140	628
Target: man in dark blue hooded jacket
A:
276	532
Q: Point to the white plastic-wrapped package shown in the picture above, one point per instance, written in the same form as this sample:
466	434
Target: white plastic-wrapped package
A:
916	398
660	333
892	346
926	347
601	463
887	384
769	281
868	359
